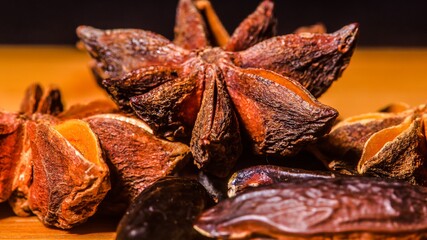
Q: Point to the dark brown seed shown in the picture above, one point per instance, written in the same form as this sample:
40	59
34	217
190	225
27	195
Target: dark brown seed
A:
165	210
340	208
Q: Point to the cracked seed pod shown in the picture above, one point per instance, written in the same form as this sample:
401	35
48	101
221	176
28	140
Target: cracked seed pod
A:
337	208
57	168
164	83
70	178
390	145
342	148
397	152
136	157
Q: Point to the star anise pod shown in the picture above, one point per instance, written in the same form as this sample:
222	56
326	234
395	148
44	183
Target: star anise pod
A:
387	144
189	88
49	167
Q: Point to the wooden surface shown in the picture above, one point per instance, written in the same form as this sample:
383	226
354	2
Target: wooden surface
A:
375	78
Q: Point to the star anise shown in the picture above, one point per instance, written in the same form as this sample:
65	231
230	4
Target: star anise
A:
53	163
48	167
252	81
387	144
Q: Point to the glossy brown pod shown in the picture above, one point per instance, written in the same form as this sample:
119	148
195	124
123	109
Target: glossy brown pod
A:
165	210
262	175
340	208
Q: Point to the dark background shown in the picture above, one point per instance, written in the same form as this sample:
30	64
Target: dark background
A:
382	23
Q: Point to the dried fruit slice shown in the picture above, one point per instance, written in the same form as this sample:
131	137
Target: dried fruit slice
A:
278	114
340	208
314	60
136	157
70	177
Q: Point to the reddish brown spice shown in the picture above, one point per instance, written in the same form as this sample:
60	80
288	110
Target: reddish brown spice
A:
189	89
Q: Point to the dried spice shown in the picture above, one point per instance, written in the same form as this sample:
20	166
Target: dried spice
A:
54	168
397	152
391	145
165	210
342	148
188	88
10	142
37	106
136	157
321	209
70	178
261	175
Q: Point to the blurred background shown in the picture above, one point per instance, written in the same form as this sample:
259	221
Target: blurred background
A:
383	23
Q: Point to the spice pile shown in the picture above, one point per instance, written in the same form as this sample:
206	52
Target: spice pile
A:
180	149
